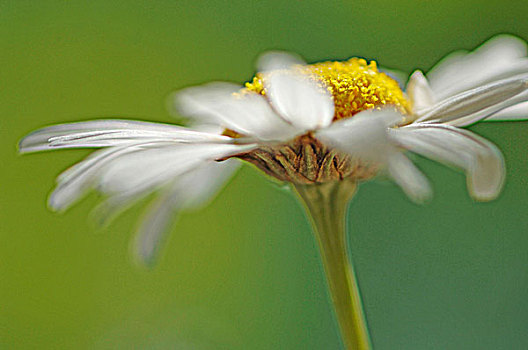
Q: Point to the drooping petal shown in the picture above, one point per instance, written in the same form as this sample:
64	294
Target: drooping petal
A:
110	132
478	103
154	226
191	190
419	92
112	206
501	57
201	185
75	181
479	158
133	169
409	177
247	113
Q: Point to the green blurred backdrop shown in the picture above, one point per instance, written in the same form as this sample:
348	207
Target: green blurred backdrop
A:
244	273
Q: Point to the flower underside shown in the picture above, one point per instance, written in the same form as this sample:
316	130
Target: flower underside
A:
355	86
306	160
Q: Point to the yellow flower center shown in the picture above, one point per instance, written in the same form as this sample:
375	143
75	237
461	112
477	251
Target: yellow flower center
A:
355	86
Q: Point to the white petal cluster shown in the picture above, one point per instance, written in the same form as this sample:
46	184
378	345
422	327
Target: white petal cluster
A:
490	83
138	158
187	165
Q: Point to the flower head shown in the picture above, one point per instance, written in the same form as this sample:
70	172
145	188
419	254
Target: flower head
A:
304	124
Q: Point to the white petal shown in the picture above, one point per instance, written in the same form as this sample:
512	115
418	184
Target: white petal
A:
481	160
200	103
490	112
409	178
517	112
482	101
112	206
201	185
194	188
364	135
299	100
133	169
247	113
499	58
419	92
108	132
75	181
446	72
154	227
141	170
150	168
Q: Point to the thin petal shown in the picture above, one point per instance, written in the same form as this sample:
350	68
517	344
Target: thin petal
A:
192	189
111	207
515	113
108	132
75	181
133	169
409	178
247	113
150	168
492	111
481	160
154	227
482	101
499	58
202	185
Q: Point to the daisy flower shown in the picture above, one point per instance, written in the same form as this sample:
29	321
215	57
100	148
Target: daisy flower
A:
321	127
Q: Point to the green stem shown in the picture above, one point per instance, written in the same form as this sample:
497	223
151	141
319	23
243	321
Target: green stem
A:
326	205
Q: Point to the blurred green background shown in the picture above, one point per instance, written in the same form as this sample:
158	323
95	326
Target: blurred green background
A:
244	273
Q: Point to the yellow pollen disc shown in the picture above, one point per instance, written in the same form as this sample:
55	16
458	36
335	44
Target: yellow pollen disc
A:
355	86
